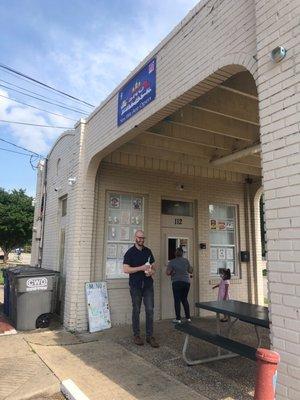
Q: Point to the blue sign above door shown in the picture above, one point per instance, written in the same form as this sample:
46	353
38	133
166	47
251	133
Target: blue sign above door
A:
137	93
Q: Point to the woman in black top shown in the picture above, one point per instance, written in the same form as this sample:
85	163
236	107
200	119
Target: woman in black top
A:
180	271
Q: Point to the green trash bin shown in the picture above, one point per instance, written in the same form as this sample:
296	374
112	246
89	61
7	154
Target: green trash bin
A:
32	297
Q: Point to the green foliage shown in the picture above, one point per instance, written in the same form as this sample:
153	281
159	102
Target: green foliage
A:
16	218
1	278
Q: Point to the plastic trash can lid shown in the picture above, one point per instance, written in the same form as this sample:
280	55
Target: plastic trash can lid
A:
30	271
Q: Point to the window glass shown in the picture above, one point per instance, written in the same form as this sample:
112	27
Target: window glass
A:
222	234
125	215
64	207
171	207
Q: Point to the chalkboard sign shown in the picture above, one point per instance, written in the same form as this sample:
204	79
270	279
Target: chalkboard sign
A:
97	306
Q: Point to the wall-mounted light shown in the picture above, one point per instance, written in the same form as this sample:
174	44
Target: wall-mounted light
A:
71	181
278	54
180	187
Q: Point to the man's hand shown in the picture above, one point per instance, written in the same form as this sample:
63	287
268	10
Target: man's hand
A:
150	272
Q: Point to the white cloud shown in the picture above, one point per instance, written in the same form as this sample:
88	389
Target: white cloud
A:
95	67
89	67
37	139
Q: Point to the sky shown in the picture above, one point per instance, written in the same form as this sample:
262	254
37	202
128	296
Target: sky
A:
82	47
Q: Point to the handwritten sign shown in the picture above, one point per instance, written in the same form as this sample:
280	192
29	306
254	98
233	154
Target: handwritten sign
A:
137	93
97	306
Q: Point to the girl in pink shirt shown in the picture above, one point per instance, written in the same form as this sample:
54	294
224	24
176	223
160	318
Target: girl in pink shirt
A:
223	293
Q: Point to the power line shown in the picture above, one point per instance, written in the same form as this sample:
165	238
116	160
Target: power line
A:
37	94
37	108
20	147
16	152
29	124
44	84
46	101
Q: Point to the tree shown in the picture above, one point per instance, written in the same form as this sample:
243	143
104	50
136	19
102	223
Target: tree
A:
16	219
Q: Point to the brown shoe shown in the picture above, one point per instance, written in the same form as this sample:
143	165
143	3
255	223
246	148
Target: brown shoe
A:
138	340
151	340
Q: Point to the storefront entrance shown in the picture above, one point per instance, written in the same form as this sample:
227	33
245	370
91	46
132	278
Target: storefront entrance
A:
172	238
177	231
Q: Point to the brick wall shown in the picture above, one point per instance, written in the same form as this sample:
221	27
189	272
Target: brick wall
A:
213	35
279	95
60	167
155	185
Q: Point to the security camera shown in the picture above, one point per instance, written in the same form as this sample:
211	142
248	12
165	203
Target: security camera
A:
57	189
71	181
278	54
180	187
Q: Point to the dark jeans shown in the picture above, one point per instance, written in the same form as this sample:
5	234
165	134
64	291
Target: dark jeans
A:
147	294
180	293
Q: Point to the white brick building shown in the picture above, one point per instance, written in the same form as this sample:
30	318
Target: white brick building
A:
217	92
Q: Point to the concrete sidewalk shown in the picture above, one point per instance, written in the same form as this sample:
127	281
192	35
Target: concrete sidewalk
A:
22	373
33	364
108	366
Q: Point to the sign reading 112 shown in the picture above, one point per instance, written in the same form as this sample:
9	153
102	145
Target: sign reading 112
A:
178	221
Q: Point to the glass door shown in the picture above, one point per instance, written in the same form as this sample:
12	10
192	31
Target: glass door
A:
171	239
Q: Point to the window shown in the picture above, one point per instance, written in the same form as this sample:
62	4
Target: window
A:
62	250
63	206
125	215
222	233
171	207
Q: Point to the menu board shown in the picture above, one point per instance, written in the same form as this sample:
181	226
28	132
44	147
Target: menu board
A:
97	306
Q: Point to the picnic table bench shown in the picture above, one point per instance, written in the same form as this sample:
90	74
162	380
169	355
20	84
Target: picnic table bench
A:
250	313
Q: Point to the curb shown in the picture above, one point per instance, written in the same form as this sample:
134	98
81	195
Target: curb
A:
71	391
6	328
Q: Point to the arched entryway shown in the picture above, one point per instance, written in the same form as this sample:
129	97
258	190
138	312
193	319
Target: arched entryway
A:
205	155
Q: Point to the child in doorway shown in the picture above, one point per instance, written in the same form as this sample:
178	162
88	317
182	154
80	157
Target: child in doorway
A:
223	286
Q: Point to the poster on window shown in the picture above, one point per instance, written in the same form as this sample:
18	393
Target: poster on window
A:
111	250
214	267
229	254
97	306
113	232
120	272
229	225
221	225
114	201
213	224
213	253
137	203
125	217
230	265
122	249
221	254
124	233
111	265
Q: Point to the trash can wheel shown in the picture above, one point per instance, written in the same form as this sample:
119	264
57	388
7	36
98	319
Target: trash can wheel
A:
43	321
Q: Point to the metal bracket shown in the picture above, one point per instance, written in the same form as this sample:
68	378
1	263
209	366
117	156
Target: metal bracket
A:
203	360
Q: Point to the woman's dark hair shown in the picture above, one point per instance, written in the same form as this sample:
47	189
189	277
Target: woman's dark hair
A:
227	274
179	252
